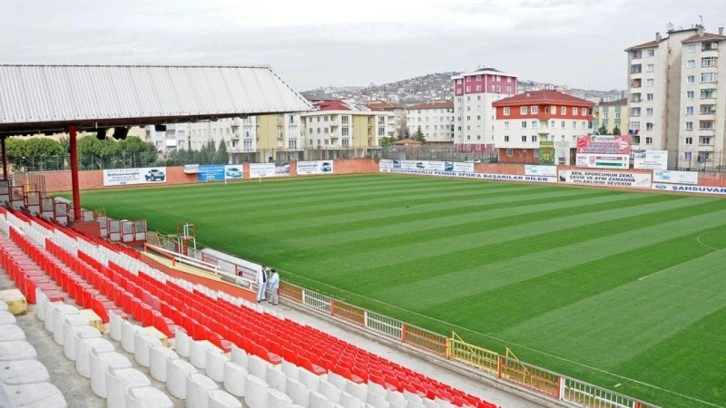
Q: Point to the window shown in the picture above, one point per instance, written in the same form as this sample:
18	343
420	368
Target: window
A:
563	124
649	97
534	109
704	140
690	94
709	62
574	111
478	88
648	140
649	82
583	111
534	138
523	110
345	142
524	138
524	124
650	53
689	140
691	48
708	77
648	125
510	152
563	110
468	88
708	93
344	131
535	123
689	125
574	124
648	111
506	125
649	68
506	138
689	110
691	79
691	64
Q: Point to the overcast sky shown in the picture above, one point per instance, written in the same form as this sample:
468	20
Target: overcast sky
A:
316	43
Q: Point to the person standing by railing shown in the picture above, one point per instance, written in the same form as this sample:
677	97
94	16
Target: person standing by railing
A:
274	284
261	283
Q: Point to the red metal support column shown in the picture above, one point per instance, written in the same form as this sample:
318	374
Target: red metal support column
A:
74	175
5	158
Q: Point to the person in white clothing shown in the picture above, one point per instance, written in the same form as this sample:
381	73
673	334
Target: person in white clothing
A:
261	283
274	284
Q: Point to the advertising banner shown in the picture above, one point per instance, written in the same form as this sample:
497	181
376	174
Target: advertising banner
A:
191	168
546	152
650	159
549	171
306	168
385	164
678	188
604	144
263	170
461	167
602	161
675	177
450	166
605	179
562	152
233	172
122	177
211	172
470	175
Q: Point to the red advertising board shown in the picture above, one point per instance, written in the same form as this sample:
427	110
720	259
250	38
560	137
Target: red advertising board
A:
604	144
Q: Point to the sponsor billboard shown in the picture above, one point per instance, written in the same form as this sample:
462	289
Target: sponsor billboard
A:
449	166
469	175
678	188
549	171
233	172
602	161
603	151
145	175
262	170
546	152
191	168
650	159
675	177
211	172
605	179
306	168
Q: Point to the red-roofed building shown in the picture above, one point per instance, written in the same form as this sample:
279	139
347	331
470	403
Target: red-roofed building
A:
677	87
435	120
530	120
474	93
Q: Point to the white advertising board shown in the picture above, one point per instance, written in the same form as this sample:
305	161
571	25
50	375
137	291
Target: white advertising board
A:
123	177
306	168
602	161
677	188
675	177
548	171
605	179
650	159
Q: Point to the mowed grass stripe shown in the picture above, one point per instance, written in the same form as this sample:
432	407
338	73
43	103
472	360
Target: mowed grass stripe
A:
498	238
538	260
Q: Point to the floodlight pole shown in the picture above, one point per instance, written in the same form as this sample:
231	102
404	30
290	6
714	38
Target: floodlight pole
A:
74	174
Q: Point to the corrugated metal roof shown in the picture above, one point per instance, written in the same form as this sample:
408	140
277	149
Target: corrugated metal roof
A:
43	96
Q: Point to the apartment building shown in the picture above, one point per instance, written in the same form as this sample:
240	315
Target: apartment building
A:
474	94
613	115
523	122
395	120
338	125
677	101
434	119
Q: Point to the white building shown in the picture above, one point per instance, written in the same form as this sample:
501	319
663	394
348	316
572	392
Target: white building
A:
677	89
395	119
337	125
474	94
434	119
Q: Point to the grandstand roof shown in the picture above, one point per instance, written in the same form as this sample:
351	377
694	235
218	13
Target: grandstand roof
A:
49	98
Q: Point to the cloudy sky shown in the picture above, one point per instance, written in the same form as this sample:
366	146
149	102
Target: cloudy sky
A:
316	43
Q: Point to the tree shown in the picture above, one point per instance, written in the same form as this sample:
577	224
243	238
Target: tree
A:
386	141
222	156
602	130
35	153
616	130
419	135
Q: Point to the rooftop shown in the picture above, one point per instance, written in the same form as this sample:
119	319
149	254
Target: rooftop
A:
542	98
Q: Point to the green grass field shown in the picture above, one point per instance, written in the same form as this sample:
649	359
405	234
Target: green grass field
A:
623	289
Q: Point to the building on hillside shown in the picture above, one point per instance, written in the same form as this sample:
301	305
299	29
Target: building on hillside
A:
395	120
677	101
527	121
613	115
337	128
474	94
434	119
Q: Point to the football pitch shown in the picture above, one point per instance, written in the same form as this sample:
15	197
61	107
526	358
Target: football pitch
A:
626	290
